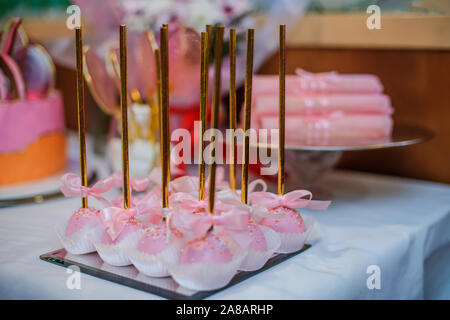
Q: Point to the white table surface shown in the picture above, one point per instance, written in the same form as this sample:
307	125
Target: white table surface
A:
400	225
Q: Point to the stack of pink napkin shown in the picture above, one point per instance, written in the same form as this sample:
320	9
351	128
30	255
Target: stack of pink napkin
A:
324	106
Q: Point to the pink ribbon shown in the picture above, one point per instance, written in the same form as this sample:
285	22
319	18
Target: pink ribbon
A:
229	199
186	184
189	184
137	184
71	187
233	223
114	219
155	175
294	199
188	202
150	205
319	80
118	201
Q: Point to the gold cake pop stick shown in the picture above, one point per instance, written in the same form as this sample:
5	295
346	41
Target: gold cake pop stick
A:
158	89
81	112
124	115
167	109
281	114
247	114
165	165
152	99
209	31
232	110
203	103
218	50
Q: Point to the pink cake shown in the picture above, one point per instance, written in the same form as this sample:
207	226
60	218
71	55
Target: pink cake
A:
32	129
33	143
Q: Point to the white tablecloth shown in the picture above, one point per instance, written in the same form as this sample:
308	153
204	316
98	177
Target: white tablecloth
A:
400	225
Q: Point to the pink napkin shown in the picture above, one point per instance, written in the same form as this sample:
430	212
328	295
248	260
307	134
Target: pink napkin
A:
304	104
343	83
333	125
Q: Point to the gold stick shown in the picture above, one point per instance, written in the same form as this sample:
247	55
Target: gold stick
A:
218	48
167	109
124	115
203	103
247	113
165	165
158	89
209	31
281	114
232	113
81	113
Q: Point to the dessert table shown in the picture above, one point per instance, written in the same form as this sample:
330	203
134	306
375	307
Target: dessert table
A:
400	226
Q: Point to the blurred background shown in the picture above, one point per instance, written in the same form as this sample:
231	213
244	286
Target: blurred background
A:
410	54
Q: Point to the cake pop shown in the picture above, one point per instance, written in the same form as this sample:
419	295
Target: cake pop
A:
290	225
84	222
218	241
216	250
149	254
123	223
123	228
263	241
152	250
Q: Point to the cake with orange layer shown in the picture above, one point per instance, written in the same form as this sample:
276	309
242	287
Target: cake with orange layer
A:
32	144
32	129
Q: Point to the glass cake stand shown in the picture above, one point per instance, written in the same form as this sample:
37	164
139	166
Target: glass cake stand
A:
306	161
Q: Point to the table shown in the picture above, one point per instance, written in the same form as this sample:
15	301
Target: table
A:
399	225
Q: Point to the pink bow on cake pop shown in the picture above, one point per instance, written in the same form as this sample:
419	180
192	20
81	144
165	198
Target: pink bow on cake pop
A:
114	219
189	184
155	175
188	202
150	205
71	187
234	223
294	200
137	184
229	199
